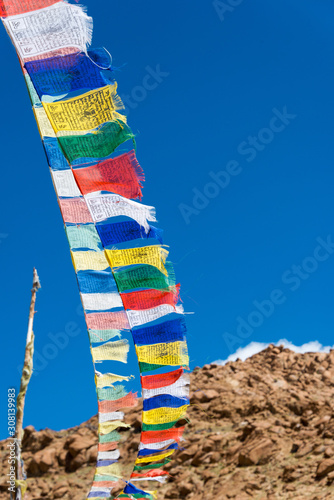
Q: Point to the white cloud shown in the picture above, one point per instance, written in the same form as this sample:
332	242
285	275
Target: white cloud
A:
256	347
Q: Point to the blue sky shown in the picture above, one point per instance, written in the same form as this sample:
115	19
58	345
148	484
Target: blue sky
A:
236	142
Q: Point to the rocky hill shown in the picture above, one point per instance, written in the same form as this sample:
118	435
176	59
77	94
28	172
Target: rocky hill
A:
259	429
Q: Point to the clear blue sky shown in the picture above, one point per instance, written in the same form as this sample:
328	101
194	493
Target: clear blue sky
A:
217	107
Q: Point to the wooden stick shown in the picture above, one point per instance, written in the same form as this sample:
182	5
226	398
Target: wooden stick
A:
25	379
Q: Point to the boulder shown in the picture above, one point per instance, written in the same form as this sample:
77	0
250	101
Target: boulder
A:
258	452
77	443
42	461
325	467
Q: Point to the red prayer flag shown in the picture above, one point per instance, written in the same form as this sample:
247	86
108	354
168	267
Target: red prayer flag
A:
113	445
105	484
107	320
13	7
147	299
163	380
151	473
148	437
128	401
75	210
122	175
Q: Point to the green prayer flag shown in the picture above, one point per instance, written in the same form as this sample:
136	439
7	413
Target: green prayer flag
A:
111	393
109	438
158	427
144	276
147	367
98	144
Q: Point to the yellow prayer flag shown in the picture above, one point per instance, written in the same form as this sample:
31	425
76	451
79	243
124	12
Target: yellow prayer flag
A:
87	111
154	256
43	123
153	493
107	427
113	351
108	379
155	458
95	261
174	353
21	483
163	415
112	469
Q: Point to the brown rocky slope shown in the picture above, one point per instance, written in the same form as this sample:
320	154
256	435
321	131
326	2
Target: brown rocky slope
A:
259	429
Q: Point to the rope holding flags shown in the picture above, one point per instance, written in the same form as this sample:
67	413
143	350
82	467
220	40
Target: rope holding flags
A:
127	286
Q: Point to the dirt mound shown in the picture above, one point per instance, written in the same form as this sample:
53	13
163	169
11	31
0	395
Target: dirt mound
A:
259	429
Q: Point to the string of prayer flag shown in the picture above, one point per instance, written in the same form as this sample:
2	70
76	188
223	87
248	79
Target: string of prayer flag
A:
126	283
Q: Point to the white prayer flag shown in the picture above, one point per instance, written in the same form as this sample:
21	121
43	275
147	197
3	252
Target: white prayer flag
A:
137	318
65	183
180	389
108	455
55	27
107	417
101	301
103	206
